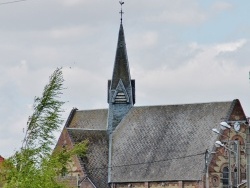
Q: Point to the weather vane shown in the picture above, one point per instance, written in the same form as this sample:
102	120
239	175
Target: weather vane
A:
121	12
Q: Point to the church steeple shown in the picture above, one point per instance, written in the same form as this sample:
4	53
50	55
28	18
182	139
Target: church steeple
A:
121	89
121	66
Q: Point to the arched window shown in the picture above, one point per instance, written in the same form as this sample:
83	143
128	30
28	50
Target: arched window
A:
225	176
238	138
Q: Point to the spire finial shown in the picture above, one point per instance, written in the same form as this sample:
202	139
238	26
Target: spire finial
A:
121	12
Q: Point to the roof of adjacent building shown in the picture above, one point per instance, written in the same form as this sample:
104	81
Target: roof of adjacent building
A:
1	159
151	143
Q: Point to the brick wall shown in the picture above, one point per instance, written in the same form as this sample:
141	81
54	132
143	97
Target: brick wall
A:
177	184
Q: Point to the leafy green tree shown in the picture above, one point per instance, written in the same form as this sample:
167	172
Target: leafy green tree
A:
35	165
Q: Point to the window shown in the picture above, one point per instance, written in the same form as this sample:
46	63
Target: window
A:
225	177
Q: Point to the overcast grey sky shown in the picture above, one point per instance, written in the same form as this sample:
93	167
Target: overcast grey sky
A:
179	51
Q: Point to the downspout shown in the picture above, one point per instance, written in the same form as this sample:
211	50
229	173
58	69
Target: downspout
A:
110	157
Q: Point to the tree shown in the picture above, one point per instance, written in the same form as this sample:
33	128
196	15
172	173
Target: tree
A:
35	165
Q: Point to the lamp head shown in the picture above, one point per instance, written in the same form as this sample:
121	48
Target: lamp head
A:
224	125
216	131
218	144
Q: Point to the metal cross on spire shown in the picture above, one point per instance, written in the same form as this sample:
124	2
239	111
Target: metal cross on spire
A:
121	12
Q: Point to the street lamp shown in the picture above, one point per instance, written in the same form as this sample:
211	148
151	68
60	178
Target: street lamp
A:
220	144
224	125
218	132
236	176
236	126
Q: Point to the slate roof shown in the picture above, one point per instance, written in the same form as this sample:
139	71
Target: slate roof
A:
151	143
121	65
96	161
164	143
89	119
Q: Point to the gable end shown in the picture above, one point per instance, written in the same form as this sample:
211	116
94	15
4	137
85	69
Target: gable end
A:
236	112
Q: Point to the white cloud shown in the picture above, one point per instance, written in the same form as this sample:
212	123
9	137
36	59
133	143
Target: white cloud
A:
204	75
186	13
188	16
179	12
74	2
145	40
71	32
84	83
222	5
230	47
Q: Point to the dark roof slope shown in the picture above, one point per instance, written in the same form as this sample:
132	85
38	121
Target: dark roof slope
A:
159	143
96	161
121	66
90	119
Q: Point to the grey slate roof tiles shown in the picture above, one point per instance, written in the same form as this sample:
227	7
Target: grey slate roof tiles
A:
90	119
151	143
165	142
121	65
96	161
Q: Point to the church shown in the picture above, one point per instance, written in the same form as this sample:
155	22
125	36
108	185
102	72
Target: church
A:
170	146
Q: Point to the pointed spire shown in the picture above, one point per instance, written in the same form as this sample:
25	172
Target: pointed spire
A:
121	66
121	89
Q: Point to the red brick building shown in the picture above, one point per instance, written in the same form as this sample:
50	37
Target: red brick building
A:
1	159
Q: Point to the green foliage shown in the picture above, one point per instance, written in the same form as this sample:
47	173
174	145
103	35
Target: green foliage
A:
35	166
46	117
63	155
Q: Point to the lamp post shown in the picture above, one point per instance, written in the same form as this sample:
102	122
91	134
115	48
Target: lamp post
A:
207	154
206	168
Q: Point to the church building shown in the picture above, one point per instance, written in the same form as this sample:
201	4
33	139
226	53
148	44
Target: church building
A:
170	146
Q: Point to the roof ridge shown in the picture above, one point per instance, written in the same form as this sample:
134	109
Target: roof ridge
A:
230	109
181	104
93	109
71	115
82	129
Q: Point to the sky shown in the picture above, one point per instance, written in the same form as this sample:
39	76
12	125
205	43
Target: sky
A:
179	52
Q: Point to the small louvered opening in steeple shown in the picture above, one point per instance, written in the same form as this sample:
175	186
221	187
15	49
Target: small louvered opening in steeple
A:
120	98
